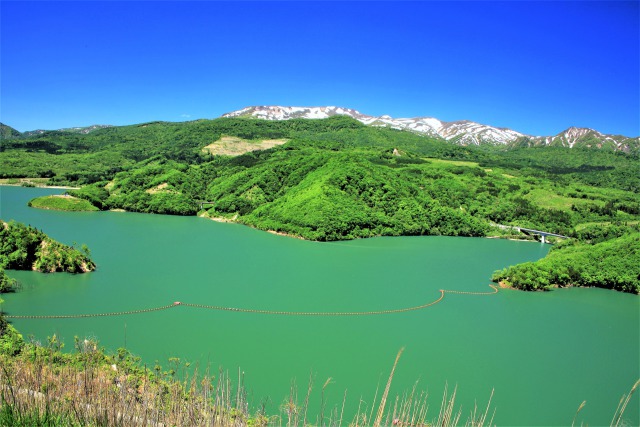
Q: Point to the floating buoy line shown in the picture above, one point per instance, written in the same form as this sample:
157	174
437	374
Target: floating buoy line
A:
257	311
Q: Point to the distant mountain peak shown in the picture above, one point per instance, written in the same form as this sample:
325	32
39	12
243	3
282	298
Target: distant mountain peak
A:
276	112
463	132
83	130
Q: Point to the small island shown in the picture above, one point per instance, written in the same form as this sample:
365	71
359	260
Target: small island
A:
62	202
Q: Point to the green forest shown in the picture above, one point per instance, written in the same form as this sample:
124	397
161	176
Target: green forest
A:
611	263
337	179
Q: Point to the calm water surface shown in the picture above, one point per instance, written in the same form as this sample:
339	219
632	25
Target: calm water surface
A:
544	353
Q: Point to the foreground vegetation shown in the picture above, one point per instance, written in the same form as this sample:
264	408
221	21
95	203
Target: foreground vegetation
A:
42	385
24	247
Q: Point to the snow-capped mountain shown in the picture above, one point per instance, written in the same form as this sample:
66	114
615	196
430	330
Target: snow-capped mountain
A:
583	137
274	112
462	132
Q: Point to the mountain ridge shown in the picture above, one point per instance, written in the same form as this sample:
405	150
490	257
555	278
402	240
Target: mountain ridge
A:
462	132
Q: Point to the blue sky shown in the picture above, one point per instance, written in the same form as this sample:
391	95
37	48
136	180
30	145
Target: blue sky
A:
535	67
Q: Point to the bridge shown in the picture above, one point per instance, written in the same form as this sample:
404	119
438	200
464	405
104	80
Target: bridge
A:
543	234
201	203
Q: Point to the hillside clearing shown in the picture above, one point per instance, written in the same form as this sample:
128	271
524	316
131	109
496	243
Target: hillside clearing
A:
235	146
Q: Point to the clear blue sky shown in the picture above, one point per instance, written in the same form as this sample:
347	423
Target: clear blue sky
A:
535	67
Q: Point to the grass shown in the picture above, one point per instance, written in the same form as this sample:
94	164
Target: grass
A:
42	386
584	225
551	200
62	203
452	162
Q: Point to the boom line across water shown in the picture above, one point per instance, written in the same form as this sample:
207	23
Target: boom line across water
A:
257	311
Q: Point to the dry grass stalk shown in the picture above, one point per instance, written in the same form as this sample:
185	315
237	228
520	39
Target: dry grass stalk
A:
373	404
475	421
322	402
622	406
95	393
584	402
90	391
446	417
344	400
383	401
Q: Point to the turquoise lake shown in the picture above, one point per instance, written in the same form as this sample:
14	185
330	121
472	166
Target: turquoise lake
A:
543	353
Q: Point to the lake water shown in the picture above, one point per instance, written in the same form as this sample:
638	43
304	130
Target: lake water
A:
544	353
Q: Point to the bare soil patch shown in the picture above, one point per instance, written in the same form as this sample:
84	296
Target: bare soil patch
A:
234	146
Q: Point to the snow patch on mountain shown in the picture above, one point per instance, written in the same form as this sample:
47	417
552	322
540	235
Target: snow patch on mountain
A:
463	132
285	113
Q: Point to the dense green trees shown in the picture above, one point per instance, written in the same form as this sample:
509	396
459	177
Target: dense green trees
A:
23	247
338	179
612	264
7	284
295	188
70	157
341	196
156	186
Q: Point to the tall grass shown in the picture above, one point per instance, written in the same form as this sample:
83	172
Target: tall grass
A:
42	386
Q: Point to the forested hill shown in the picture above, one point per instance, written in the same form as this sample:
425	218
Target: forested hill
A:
7	132
613	263
333	178
106	151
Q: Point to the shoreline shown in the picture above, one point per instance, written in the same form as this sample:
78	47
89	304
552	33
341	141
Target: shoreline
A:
504	285
282	233
514	239
55	187
233	221
295	236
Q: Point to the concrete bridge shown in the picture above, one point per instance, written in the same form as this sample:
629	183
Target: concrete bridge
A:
543	234
201	203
